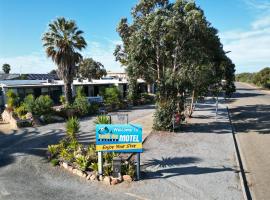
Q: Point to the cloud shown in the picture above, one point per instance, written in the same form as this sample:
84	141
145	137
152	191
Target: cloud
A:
258	4
37	62
103	52
250	48
32	63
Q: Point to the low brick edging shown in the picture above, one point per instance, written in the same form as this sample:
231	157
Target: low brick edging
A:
93	176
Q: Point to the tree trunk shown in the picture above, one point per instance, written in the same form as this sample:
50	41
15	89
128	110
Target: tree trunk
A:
192	103
68	93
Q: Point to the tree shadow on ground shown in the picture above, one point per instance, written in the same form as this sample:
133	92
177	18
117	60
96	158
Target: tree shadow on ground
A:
214	127
32	141
170	161
169	167
252	118
180	171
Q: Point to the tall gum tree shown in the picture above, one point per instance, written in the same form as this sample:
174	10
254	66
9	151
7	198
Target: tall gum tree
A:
62	43
171	45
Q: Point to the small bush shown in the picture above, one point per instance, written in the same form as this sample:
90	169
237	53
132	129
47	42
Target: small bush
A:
91	153
39	106
43	105
164	115
21	111
72	127
93	108
94	166
54	162
107	170
66	155
102	119
12	99
147	98
82	162
29	103
62	99
81	105
112	96
53	150
128	168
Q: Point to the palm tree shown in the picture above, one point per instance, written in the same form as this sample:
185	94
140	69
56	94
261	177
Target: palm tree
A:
6	68
62	43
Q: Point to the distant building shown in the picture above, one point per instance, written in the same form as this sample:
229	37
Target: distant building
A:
4	76
55	88
121	75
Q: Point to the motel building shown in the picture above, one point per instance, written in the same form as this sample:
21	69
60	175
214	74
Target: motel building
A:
55	88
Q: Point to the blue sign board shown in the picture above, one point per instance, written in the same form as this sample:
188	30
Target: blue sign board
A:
119	138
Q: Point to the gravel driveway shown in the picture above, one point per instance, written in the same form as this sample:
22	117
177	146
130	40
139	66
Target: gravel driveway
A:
197	163
26	174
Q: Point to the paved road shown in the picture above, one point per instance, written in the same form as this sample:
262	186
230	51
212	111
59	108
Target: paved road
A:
25	173
250	109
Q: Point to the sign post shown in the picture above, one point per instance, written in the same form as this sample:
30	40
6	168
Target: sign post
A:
138	170
124	138
100	163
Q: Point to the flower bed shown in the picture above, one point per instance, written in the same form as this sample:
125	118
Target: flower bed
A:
82	160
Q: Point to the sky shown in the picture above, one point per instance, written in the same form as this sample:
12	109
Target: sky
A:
244	29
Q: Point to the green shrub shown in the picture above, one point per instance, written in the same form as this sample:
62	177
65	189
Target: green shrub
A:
108	157
91	153
21	111
94	166
72	127
82	162
102	119
163	115
128	168
66	155
107	170
29	103
147	98
53	150
39	106
93	108
62	99
12	99
112	96
43	105
73	145
54	162
81	105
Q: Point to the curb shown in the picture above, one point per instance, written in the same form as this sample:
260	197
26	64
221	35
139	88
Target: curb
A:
243	178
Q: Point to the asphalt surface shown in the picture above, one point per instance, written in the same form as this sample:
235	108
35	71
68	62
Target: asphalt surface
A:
250	108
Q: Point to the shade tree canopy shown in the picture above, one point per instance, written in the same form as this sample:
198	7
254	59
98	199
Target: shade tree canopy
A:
91	69
175	47
6	68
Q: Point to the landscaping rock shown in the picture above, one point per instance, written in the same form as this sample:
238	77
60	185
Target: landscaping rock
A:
107	180
100	178
127	178
93	177
81	174
65	165
115	181
88	177
75	171
29	115
70	168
